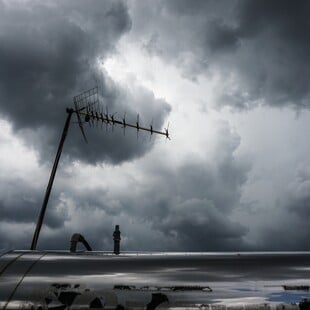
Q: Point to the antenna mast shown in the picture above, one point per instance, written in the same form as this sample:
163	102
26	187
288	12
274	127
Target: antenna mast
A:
86	105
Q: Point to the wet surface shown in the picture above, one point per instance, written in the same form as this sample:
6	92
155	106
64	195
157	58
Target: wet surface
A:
149	281
296	287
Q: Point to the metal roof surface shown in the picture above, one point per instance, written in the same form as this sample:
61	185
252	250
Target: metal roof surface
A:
51	279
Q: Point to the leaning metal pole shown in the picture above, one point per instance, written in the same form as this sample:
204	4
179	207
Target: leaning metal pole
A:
51	180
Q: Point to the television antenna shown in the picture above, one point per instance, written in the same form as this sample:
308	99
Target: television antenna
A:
87	106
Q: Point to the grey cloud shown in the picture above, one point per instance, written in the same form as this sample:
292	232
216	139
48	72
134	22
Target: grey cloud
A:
221	37
184	209
298	197
300	204
166	208
50	52
199	225
286	233
197	208
183	7
279	33
213	8
258	48
286	17
20	200
285	224
216	233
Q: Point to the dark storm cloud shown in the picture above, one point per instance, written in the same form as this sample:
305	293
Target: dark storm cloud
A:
277	34
258	48
285	224
197	206
50	52
221	37
20	200
301	205
185	207
189	206
297	199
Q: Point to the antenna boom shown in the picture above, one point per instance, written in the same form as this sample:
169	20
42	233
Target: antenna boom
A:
87	105
111	120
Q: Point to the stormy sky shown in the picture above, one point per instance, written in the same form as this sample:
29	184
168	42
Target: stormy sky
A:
230	77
